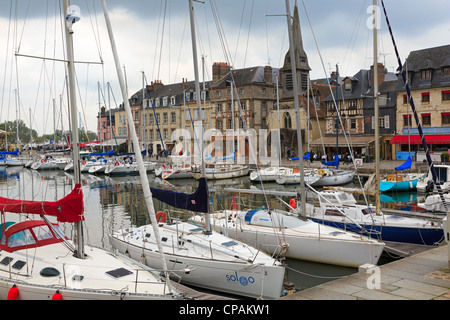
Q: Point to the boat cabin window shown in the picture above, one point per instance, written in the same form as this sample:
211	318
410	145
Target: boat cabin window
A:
367	211
330	198
21	238
119	273
229	243
19	264
333	212
6	261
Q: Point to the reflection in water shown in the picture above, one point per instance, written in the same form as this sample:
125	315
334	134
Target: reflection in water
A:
113	203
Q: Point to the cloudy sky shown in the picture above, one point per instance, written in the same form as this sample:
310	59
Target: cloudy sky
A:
153	36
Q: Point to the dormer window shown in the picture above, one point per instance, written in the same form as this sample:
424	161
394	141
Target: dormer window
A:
348	85
425	74
446	72
172	100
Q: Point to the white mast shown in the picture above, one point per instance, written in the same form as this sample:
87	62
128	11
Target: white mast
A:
70	20
142	171
199	106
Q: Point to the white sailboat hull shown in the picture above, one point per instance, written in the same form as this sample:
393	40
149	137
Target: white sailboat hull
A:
335	178
267	174
206	265
224	172
309	241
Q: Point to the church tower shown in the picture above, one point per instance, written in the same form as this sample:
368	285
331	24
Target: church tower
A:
301	60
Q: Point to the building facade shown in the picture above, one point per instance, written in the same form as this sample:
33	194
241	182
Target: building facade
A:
428	72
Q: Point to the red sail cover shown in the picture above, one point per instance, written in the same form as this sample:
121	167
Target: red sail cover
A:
68	209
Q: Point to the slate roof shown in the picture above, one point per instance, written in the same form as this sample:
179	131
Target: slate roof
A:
246	76
431	58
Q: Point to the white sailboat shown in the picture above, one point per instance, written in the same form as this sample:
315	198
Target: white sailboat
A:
40	263
284	233
196	255
295	176
339	209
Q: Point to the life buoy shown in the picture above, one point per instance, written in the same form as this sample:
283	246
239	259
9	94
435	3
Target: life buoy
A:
117	163
161	216
13	293
321	172
57	296
84	161
42	160
391	177
292	203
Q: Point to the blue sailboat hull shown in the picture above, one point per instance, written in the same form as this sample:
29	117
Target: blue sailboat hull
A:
425	236
398	185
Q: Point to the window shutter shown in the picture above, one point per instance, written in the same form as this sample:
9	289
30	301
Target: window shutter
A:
386	121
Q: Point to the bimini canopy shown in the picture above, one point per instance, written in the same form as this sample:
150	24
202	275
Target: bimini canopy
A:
68	209
27	234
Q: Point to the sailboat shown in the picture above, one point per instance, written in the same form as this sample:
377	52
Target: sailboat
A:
340	209
40	263
192	254
403	181
427	184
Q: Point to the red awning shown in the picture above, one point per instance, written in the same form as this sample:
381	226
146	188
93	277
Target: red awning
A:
415	139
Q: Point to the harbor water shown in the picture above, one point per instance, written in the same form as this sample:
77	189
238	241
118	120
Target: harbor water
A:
113	203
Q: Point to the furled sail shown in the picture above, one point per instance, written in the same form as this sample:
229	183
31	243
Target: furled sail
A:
334	163
68	209
14	153
198	201
405	165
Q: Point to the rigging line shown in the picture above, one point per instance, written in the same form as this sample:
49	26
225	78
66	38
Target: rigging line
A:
353	36
24	23
96	38
162	38
248	35
6	59
220	31
181	44
157	40
239	32
413	108
224	46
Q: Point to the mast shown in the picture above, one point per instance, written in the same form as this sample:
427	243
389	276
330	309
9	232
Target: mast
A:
199	106
142	171
337	112
297	111
79	238
376	109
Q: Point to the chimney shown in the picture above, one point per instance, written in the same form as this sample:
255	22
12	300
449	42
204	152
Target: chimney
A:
219	70
268	74
381	73
157	84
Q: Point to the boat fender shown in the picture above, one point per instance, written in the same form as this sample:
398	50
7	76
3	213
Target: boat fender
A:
391	177
284	248
321	172
292	203
13	293
161	216
57	296
42	160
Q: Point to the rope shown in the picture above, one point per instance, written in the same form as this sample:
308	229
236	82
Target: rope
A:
416	117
